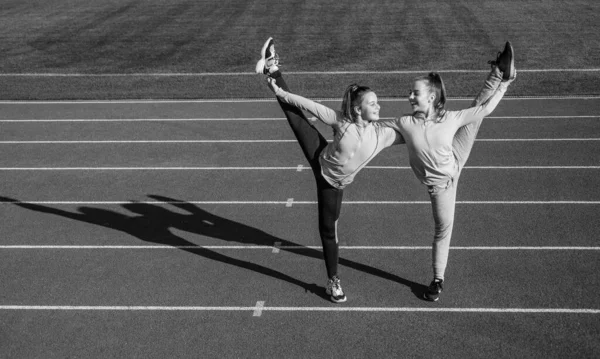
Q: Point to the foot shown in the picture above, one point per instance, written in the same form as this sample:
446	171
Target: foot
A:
334	290
269	59
434	290
505	61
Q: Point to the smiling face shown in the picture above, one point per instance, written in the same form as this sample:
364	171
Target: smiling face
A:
421	98
368	108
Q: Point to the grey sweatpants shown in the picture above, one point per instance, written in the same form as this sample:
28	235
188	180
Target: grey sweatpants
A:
443	198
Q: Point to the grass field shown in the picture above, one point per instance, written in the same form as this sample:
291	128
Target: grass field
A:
207	49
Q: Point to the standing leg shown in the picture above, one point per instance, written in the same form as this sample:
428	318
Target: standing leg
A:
330	204
443	203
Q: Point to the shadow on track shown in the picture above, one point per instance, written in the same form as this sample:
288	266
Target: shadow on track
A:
152	223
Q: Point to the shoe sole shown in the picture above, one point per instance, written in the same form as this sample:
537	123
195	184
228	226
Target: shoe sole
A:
338	300
431	299
260	65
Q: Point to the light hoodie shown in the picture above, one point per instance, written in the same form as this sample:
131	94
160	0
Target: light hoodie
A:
429	142
352	146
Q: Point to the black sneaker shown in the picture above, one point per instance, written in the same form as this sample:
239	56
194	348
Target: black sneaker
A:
268	57
506	62
334	290
432	293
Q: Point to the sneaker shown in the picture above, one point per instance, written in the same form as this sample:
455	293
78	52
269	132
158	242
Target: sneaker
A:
432	293
506	62
268	57
334	289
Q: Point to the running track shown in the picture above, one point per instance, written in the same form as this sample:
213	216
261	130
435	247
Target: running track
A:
188	229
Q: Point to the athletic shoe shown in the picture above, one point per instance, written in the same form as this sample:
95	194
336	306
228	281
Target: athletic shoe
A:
432	293
334	289
268	57
505	61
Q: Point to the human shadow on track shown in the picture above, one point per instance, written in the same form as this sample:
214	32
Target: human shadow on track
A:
152	223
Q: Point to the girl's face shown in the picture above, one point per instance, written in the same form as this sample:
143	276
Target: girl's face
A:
369	108
420	98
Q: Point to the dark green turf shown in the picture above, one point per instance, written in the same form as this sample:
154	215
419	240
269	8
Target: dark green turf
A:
225	37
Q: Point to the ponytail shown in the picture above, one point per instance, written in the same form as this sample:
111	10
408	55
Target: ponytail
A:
352	98
437	85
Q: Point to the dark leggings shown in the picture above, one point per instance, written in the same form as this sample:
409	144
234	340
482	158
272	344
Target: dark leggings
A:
329	197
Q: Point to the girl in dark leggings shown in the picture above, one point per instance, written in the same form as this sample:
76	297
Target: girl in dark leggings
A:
358	137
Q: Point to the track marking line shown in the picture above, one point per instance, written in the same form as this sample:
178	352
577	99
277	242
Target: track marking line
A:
209	74
92	120
541	117
295	202
259	308
270	99
277	247
289	202
299	168
48	142
242	119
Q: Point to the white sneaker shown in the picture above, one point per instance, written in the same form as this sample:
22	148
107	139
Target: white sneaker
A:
268	57
334	289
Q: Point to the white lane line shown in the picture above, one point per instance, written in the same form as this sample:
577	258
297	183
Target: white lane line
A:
261	309
144	141
262	141
286	202
147	168
541	117
269	99
145	119
207	74
92	120
534	139
277	247
120	308
299	168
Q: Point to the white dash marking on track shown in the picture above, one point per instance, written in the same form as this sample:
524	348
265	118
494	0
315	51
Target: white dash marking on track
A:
289	202
276	247
299	168
258	309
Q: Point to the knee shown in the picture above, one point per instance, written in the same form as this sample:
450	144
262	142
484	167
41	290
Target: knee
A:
443	231
328	230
